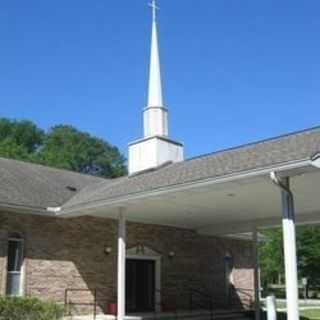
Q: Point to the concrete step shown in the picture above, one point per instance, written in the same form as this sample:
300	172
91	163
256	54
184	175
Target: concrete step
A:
221	315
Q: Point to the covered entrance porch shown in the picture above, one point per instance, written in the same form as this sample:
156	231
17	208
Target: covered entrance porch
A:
227	206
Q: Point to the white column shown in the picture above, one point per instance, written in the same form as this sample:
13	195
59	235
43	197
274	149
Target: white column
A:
290	252
256	274
121	265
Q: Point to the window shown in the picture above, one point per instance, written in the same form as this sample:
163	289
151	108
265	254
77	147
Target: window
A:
14	266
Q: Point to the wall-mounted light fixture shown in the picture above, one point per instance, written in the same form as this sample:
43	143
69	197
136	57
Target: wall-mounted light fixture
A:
171	254
107	250
228	256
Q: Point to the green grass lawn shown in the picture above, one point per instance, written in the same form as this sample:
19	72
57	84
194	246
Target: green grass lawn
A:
310	314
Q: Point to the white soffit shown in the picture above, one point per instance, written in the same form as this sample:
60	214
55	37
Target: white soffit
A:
227	204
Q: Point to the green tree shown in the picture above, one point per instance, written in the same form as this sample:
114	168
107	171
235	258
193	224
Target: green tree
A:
308	252
61	147
308	247
271	256
19	139
9	149
68	148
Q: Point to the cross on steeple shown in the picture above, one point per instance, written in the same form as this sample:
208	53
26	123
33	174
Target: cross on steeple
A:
154	9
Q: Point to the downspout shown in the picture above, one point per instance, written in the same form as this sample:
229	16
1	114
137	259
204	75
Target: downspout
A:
277	181
315	160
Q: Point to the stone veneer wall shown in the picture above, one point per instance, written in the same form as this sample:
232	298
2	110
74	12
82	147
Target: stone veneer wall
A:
69	253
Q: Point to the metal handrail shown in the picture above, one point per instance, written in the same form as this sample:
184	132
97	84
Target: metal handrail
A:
157	304
246	294
68	302
201	293
208	303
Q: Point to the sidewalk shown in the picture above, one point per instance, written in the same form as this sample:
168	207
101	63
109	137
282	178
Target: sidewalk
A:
303	302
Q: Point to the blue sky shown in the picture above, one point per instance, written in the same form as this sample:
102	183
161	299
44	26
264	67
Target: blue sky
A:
234	71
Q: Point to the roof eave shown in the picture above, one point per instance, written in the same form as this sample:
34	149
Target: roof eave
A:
283	168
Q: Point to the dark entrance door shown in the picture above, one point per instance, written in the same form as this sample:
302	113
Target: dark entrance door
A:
140	285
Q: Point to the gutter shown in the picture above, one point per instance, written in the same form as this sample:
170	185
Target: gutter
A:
25	209
315	160
118	201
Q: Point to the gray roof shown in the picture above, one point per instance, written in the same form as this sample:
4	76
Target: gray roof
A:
293	147
38	187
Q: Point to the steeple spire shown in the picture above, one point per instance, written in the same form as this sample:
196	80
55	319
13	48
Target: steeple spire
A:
155	114
155	89
155	148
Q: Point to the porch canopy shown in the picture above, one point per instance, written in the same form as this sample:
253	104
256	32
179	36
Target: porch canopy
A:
228	192
221	193
227	205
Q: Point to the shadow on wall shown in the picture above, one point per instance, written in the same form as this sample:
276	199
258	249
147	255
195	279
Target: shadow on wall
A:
70	253
222	280
239	291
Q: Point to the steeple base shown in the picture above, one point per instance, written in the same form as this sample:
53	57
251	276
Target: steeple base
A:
152	152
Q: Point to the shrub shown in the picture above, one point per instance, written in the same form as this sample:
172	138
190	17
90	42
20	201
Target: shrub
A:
14	308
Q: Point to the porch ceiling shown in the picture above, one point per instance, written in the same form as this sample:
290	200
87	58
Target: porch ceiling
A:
224	208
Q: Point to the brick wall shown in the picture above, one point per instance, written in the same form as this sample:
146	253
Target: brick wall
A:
69	253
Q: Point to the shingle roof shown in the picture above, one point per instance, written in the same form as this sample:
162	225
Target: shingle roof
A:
293	147
38	187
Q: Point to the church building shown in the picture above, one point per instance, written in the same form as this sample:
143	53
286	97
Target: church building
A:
174	235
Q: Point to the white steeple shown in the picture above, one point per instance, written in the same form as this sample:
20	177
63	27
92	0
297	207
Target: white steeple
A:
155	114
155	88
155	149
